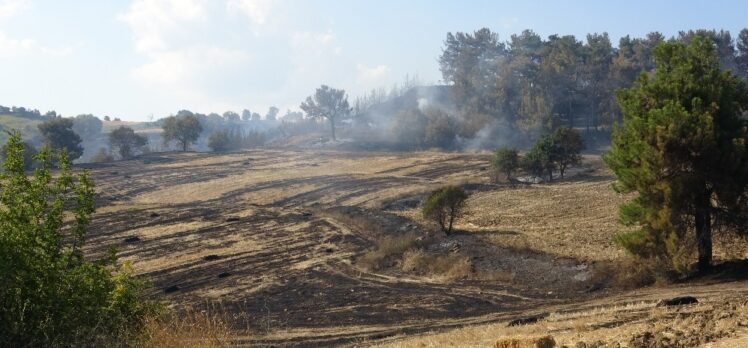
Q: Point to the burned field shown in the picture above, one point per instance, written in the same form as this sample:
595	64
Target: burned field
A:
274	240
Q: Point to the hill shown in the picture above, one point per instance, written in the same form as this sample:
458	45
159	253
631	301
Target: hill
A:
316	247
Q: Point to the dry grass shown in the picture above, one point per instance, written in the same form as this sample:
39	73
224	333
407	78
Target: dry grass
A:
388	251
190	329
538	342
722	323
437	266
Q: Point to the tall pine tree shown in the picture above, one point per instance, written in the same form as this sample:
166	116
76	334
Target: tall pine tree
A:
683	149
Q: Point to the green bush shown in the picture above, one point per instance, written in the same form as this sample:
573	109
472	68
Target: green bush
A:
445	205
219	141
506	161
50	296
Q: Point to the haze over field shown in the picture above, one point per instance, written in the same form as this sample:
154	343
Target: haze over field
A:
133	59
219	173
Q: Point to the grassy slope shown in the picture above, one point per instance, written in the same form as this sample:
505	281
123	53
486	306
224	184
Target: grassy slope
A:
13	122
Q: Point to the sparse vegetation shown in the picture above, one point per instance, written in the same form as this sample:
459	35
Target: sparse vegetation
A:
389	249
506	161
436	265
102	156
444	206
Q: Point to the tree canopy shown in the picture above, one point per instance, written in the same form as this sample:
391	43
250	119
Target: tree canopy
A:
185	129
329	103
682	150
126	141
58	134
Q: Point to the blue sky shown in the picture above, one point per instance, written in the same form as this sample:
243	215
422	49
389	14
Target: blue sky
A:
133	59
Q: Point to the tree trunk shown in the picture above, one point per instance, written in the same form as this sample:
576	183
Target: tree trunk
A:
704	233
184	146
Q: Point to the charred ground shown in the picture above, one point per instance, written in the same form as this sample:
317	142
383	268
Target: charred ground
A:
272	238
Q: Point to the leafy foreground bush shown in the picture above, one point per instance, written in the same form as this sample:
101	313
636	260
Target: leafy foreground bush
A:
50	296
445	205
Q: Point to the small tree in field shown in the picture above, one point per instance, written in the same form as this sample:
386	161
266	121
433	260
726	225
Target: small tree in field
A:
683	148
329	103
126	141
183	129
50	295
567	146
219	141
540	159
59	135
506	161
445	205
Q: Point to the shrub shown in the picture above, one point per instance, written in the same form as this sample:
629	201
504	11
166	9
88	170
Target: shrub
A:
50	295
388	249
102	156
445	205
219	141
28	154
506	161
447	267
441	129
567	146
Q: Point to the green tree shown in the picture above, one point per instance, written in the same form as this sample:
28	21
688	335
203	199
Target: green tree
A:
246	115
567	146
126	141
329	103
682	149
231	116
28	153
219	141
183	129
58	134
440	129
87	126
540	159
272	114
50	295
444	206
506	161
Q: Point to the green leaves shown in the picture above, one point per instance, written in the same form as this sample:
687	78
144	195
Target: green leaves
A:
444	205
49	294
680	149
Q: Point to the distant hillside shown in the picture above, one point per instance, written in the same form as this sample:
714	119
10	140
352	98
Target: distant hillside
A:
8	122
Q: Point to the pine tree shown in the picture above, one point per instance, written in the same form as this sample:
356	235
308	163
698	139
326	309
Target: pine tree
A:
682	149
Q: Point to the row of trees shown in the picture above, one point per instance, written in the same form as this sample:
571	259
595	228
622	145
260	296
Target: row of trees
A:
535	85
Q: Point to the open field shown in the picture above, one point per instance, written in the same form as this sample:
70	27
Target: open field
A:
275	239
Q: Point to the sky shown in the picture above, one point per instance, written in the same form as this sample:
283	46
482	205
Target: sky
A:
143	59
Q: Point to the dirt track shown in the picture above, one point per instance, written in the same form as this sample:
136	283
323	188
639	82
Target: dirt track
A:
251	235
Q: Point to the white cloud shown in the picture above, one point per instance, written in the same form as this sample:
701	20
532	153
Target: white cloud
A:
371	74
302	39
185	68
155	22
10	8
10	47
257	10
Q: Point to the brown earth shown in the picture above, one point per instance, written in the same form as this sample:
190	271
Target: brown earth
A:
266	238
